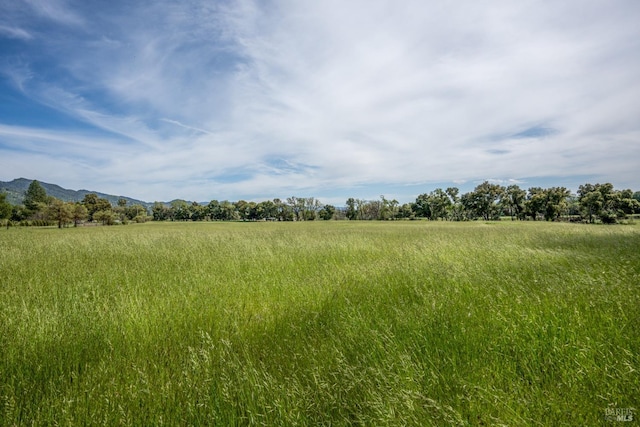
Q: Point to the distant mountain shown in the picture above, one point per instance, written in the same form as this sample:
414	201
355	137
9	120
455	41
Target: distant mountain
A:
15	193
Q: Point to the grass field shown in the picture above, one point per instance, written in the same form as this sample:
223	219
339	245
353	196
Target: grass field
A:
326	323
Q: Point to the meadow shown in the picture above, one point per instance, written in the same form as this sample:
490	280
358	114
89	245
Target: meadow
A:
319	323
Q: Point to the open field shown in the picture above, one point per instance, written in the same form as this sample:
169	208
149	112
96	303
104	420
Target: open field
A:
326	323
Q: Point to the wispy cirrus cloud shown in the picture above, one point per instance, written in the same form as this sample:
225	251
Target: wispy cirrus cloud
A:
60	11
15	32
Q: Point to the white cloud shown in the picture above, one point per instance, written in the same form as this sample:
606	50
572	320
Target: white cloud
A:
15	32
353	93
56	10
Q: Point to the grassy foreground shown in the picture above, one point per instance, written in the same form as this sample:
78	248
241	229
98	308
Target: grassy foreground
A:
331	323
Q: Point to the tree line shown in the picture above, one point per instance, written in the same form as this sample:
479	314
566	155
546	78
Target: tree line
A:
38	208
488	201
593	202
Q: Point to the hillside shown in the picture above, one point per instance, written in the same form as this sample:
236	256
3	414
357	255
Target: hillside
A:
15	193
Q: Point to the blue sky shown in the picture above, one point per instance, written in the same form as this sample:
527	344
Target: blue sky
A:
333	99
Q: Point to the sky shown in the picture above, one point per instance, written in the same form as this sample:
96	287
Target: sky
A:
256	100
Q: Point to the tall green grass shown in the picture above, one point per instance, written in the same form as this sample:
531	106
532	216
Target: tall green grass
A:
330	323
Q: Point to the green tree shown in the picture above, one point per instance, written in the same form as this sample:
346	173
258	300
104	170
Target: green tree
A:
228	211
406	211
599	201
213	211
283	211
135	212
514	201
94	204
422	206
327	212
484	201
79	213
608	213
5	208
297	206
590	201
160	212
439	204
310	208
120	210
90	201
604	202
106	217
266	210
197	212
19	213
369	209
556	202
221	211
535	203
180	210
35	198
390	209
352	212
246	210
60	212
455	208
467	201
625	203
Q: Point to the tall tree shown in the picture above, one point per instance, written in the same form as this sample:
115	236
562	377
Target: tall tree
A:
327	212
35	197
106	217
468	203
389	209
5	208
228	211
246	210
485	200
352	212
455	208
626	204
599	201
94	204
369	209
406	211
212	210
536	202
514	201
60	212
79	213
297	207
603	202
591	201
120	210
556	202
440	204
311	206
197	212
180	210
266	210
160	212
422	206
283	211
136	213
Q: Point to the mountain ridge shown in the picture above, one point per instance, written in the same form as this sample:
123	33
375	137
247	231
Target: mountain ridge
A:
16	189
